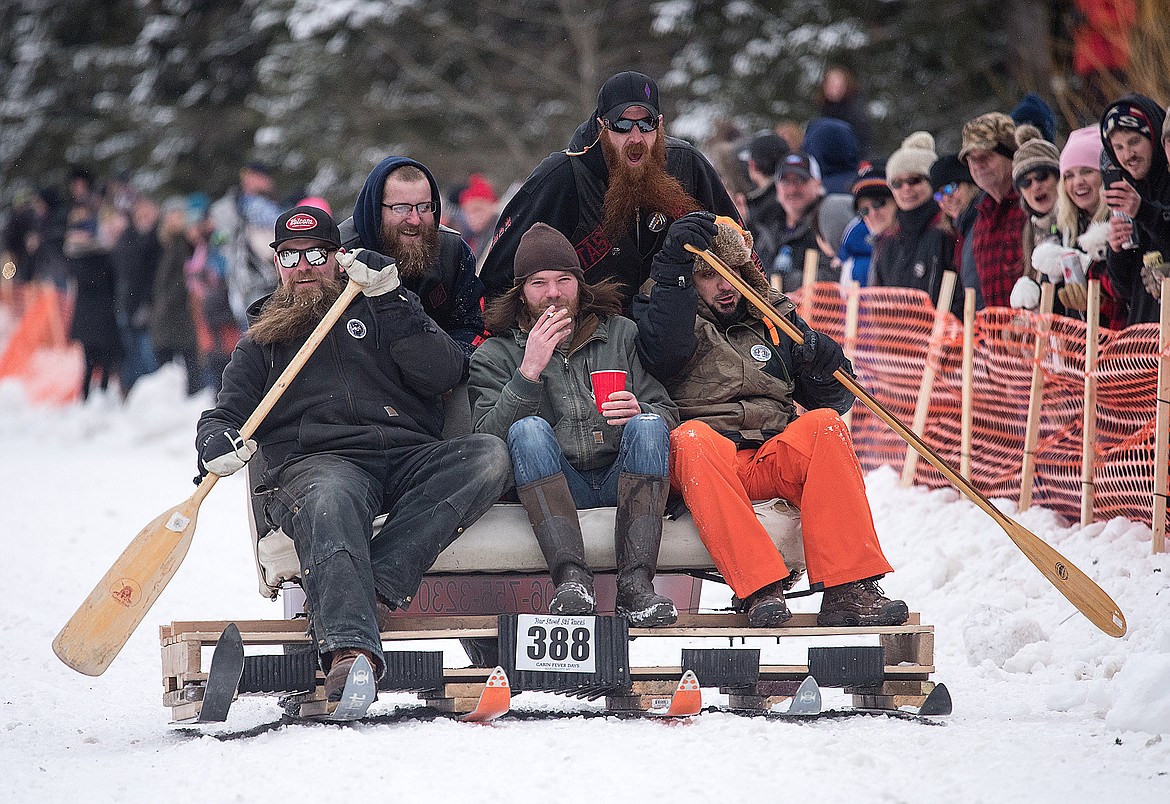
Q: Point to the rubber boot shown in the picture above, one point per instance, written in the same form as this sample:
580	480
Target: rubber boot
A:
553	515
637	537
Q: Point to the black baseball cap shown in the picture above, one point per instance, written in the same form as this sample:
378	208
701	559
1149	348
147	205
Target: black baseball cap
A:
624	90
306	221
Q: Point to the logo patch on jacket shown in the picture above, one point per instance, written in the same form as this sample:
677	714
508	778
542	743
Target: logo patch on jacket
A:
391	412
356	328
919	270
761	353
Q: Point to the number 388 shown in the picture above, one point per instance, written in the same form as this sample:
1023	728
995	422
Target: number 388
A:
557	644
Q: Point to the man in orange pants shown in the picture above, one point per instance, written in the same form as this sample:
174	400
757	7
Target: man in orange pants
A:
736	379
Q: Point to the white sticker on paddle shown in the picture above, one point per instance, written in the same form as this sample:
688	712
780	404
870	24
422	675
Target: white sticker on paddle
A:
178	523
553	644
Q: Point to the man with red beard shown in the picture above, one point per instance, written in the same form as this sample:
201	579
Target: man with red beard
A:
397	214
358	433
613	193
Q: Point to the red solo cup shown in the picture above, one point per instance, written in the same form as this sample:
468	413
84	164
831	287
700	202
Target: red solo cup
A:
605	383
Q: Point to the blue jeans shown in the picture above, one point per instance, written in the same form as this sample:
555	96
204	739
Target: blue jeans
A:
140	359
645	450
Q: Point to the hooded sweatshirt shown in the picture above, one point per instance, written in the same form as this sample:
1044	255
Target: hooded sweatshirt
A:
1152	221
450	291
835	147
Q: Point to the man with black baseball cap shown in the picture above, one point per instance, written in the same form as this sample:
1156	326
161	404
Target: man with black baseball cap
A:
358	434
613	192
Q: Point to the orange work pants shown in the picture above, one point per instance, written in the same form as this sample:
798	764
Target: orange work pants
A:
812	465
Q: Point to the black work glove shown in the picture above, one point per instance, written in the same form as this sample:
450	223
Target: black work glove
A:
818	357
674	264
225	451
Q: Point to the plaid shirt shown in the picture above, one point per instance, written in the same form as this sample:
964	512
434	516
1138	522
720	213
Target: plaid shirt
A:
998	244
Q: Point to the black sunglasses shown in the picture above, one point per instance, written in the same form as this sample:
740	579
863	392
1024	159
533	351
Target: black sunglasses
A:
876	203
290	257
1042	174
624	126
898	184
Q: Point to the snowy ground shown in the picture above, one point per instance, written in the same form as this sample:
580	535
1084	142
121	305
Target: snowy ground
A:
1047	708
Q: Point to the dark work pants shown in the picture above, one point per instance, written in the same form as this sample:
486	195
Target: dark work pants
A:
327	505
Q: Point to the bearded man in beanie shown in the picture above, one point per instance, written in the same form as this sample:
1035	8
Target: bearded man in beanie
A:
530	383
989	143
397	214
357	434
737	380
1132	133
613	192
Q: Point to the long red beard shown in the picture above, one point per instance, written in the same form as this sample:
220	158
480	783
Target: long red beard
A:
647	187
416	259
288	316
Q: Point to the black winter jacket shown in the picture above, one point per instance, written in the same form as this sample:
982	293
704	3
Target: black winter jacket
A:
567	191
372	385
915	252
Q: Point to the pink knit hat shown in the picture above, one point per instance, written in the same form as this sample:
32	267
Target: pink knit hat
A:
1083	149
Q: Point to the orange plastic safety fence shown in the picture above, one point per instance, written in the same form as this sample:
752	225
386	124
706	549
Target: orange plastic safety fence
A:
892	349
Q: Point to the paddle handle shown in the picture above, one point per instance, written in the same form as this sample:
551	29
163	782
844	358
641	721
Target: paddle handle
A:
1078	588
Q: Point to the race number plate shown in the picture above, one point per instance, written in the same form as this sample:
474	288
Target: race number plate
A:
556	644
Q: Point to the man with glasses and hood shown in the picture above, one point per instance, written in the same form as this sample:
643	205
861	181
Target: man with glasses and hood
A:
397	215
613	193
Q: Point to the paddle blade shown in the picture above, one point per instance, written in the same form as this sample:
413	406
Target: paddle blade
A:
105	620
1089	598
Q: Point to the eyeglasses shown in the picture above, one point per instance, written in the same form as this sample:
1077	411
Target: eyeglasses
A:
625	126
865	211
898	184
291	257
402	210
946	191
1039	175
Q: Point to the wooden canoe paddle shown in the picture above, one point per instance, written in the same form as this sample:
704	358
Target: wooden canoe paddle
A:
1089	598
105	620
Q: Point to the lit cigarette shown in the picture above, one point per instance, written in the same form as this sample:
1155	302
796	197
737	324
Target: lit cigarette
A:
550	313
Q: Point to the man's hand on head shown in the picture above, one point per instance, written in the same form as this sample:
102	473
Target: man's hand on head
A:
376	274
674	264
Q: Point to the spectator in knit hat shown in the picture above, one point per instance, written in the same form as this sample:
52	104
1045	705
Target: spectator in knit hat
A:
989	143
920	246
956	194
1035	168
1132	133
1034	110
1082	221
530	384
874	204
476	218
613	192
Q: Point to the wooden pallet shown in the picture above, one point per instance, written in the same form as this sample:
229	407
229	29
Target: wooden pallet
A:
908	658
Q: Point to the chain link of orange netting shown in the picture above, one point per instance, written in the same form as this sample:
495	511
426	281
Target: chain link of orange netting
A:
892	349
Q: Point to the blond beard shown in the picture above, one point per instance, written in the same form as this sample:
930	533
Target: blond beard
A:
289	315
417	259
647	187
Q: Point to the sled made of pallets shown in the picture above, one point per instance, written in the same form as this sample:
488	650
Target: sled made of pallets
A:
893	673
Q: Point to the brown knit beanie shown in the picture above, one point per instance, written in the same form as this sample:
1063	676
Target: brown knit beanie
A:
1034	152
993	131
543	248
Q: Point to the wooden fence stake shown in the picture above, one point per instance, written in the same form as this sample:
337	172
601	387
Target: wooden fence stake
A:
1089	428
968	381
922	408
1035	397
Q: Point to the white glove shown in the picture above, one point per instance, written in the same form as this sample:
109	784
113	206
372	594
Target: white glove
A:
1046	260
225	452
1095	240
1026	294
375	273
